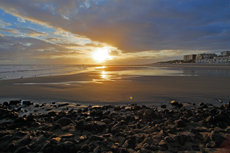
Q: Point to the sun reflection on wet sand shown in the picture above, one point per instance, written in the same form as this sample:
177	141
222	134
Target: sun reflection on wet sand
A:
103	75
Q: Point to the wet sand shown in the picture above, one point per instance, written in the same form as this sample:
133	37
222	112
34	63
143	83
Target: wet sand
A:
143	89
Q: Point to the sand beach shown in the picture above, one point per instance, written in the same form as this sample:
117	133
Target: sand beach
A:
110	111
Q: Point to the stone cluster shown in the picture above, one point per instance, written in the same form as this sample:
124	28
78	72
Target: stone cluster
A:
115	129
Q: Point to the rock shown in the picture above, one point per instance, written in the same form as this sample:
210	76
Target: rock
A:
64	121
210	119
169	139
30	118
15	102
149	113
96	138
180	123
117	108
67	135
24	141
11	147
80	125
96	112
68	144
163	106
27	103
63	104
79	139
174	103
217	138
90	126
53	113
22	149
163	133
131	143
5	103
101	126
211	144
181	138
163	146
201	104
115	128
55	140
85	147
97	150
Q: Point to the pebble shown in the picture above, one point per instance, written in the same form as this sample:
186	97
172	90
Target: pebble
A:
131	128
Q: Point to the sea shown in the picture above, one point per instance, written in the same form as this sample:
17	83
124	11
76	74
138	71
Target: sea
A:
27	71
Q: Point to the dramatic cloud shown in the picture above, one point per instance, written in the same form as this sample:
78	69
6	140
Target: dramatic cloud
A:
8	30
180	26
32	32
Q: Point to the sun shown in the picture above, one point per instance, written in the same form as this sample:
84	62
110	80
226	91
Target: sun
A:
101	54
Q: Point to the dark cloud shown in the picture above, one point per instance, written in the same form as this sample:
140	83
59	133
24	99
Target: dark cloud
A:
8	30
31	32
135	25
17	47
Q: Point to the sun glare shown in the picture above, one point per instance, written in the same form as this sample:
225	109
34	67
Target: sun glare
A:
101	54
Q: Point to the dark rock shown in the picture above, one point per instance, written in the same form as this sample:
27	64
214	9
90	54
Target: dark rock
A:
68	144
27	103
64	121
149	113
11	147
22	149
169	139
79	139
90	126
5	103
63	104
15	102
210	119
115	128
97	150
2	133
85	147
163	106
53	113
96	112
217	138
67	135
96	138
163	146
174	103
24	141
180	123
211	144
181	138
117	108
6	137
163	133
136	107
55	140
80	125
47	147
101	126
30	118
201	104
130	143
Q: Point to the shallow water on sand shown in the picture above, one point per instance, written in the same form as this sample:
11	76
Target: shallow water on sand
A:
105	73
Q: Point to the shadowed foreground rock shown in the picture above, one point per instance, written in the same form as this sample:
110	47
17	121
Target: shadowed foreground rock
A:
115	129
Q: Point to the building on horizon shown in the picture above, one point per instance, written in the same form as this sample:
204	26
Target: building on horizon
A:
213	58
225	53
189	57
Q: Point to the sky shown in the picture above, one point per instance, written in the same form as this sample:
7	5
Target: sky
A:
111	31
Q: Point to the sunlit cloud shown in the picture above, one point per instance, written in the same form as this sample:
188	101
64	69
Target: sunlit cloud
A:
8	30
145	31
